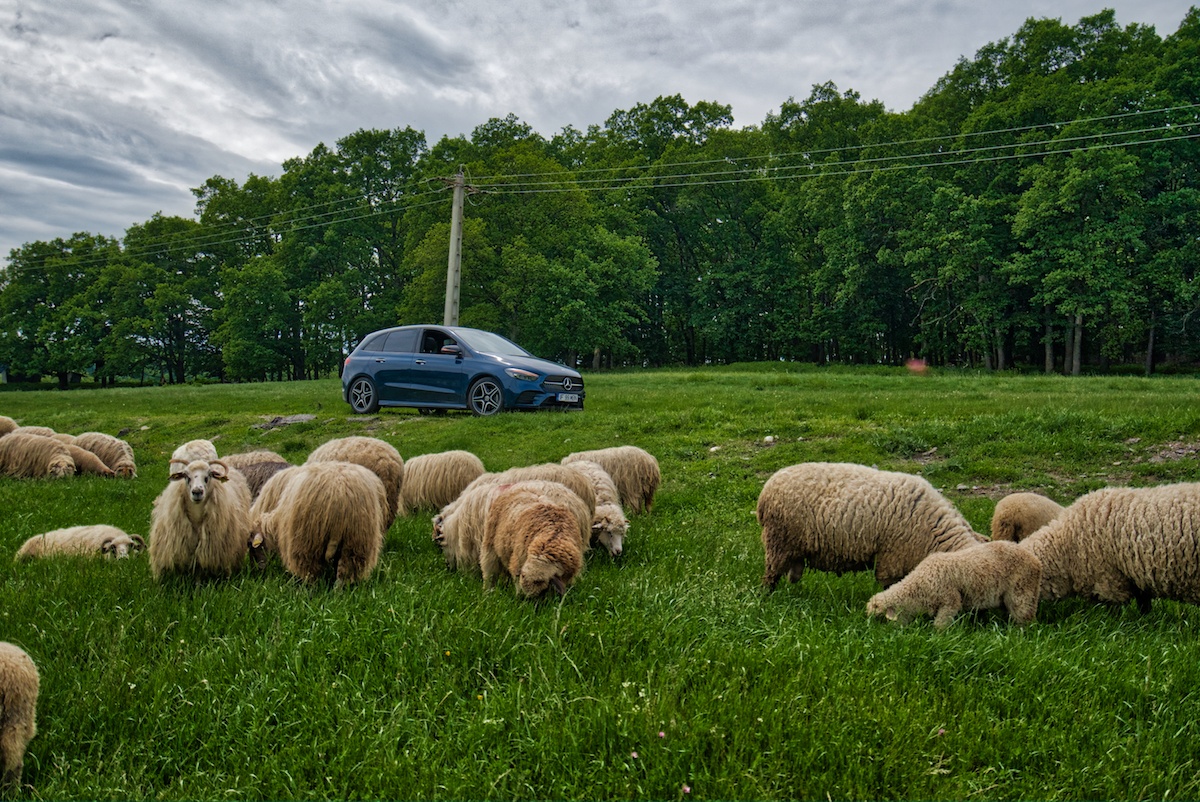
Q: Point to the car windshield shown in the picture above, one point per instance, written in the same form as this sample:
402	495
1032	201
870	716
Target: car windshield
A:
488	343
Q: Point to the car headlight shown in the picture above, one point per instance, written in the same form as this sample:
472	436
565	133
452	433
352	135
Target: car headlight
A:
518	373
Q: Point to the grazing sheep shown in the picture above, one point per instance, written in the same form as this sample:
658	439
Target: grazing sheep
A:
609	524
458	528
18	711
988	575
195	449
200	523
1019	515
258	473
1119	543
116	453
262	544
575	480
330	517
634	471
87	462
31	456
844	517
374	454
87	540
7	425
534	540
63	437
40	431
252	458
431	481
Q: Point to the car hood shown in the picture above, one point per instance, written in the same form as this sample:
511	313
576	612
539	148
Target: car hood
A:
531	363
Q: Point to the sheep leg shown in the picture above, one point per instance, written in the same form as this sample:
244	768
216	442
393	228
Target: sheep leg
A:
351	567
489	564
1021	605
947	611
776	564
11	758
1143	599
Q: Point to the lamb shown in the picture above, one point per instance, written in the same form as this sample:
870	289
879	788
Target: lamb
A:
609	524
252	458
994	574
116	453
18	712
200	523
331	517
431	481
1119	543
532	539
634	470
1019	515
87	462
31	456
374	454
844	517
194	450
7	425
88	540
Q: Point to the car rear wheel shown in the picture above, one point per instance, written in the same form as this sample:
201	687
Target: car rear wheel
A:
485	397
362	396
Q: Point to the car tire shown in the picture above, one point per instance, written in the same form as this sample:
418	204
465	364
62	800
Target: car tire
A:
486	397
363	397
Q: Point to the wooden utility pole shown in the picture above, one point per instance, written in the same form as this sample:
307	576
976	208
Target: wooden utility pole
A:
454	265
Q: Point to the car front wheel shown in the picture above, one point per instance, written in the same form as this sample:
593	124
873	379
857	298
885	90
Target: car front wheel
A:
485	397
362	396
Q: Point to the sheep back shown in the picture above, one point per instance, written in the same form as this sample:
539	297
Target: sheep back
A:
207	538
259	473
252	458
845	517
86	540
18	711
431	481
533	540
458	528
40	431
7	425
31	456
634	471
1019	515
87	462
115	452
374	454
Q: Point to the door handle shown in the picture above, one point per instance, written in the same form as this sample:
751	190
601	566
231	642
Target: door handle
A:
418	361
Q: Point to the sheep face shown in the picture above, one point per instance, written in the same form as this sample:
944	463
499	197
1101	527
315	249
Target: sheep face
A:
119	547
198	474
610	529
540	575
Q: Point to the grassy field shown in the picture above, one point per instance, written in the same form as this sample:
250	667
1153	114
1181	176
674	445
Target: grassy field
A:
666	675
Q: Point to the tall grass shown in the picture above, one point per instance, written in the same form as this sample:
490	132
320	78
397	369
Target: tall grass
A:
668	674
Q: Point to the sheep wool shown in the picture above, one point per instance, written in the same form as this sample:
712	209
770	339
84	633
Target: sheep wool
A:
1019	515
609	524
531	540
374	454
840	517
634	471
113	451
200	523
40	431
431	481
994	574
87	462
330	518
87	540
18	711
31	456
252	458
458	528
7	425
259	473
1122	543
194	450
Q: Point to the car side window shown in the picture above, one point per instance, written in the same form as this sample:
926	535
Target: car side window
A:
401	342
433	341
375	343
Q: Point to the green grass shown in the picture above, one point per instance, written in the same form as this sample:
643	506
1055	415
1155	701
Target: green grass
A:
417	684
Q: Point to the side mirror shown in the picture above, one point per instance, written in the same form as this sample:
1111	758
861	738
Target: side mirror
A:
455	350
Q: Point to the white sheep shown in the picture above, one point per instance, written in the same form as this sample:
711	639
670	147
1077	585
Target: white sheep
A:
7	425
458	528
994	574
115	452
530	539
609	524
40	431
201	521
1019	515
30	456
1119	543
90	539
331	518
376	455
634	470
18	711
836	516
87	462
431	481
194	450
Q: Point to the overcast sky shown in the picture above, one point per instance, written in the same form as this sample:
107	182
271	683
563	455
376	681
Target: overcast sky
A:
111	111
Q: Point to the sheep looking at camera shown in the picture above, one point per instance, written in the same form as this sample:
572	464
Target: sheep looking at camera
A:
18	712
1122	543
31	456
200	523
88	540
431	481
634	471
980	577
844	517
530	539
331	517
113	451
1019	515
374	454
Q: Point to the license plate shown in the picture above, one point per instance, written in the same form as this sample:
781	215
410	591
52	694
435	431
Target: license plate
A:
569	398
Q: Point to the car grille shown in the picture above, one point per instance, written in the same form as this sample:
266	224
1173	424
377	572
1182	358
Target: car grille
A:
559	384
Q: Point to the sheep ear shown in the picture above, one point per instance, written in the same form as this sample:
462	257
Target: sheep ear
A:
891	614
559	587
596	527
106	546
219	470
138	540
178	470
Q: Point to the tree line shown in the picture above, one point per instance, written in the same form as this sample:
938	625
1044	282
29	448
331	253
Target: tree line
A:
1037	208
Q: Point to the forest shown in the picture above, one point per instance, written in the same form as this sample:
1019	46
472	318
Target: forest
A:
1037	209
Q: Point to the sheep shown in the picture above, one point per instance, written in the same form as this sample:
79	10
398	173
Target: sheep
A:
7	425
252	458
993	574
374	454
40	431
31	456
200	522
263	544
258	473
1019	515
634	470
194	450
87	462
63	437
18	711
87	540
115	452
431	481
609	524
331	517
1119	543
844	517
458	528
532	539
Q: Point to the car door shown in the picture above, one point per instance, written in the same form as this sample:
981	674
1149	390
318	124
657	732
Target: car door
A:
439	378
392	361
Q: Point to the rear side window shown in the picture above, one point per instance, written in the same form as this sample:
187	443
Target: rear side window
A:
401	342
373	343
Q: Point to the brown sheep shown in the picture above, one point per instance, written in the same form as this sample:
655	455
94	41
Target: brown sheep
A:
90	539
115	452
259	473
1019	515
18	712
31	456
252	458
374	454
634	470
532	540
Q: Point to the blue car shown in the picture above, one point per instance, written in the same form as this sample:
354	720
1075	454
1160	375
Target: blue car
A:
449	367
